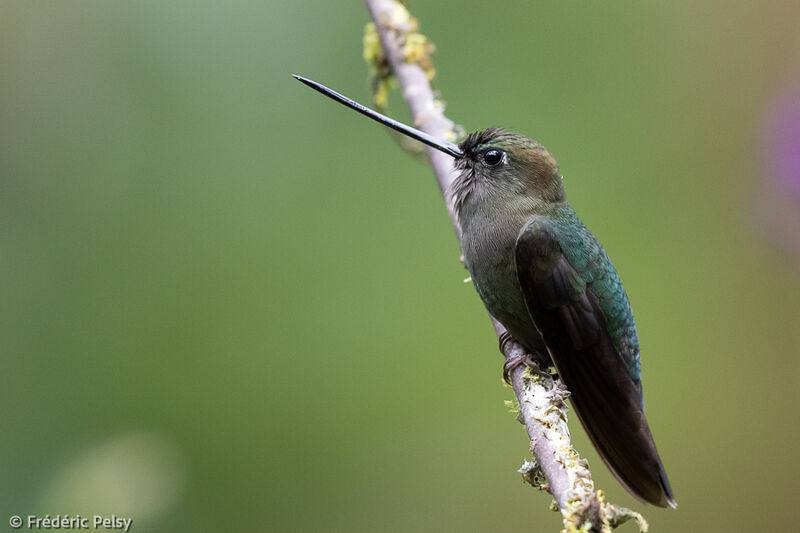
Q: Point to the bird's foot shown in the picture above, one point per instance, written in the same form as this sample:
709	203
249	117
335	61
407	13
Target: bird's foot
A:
531	360
504	339
517	359
511	364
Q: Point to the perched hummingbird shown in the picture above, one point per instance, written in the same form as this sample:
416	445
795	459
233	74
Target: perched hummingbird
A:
546	278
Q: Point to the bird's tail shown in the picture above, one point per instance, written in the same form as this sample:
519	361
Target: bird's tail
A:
614	419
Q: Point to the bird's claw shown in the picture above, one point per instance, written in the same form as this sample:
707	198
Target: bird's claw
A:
514	361
511	364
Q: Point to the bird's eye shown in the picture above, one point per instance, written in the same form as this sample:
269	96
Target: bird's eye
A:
492	158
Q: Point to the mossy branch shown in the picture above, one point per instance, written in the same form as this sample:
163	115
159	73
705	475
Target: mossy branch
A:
400	55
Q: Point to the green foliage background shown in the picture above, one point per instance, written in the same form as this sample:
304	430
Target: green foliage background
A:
201	254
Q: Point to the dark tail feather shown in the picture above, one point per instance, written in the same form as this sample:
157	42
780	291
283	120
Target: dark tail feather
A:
608	404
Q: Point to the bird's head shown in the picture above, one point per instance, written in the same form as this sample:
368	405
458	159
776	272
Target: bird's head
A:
495	162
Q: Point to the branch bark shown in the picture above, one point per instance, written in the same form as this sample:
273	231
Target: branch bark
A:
556	467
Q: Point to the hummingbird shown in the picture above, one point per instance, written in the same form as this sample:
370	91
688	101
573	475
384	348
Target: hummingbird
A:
543	275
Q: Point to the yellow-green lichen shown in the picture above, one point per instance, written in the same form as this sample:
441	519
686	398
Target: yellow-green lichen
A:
531	374
380	71
373	53
416	49
512	405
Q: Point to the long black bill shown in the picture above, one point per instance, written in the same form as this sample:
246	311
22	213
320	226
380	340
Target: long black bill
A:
446	147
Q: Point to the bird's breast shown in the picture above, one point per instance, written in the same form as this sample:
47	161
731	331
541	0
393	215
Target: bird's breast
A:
488	241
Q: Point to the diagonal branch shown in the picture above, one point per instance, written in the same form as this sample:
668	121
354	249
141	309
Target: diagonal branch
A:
557	467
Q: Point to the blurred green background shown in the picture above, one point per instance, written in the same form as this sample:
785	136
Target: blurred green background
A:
232	305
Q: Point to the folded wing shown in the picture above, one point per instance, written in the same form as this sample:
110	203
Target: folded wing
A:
568	310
